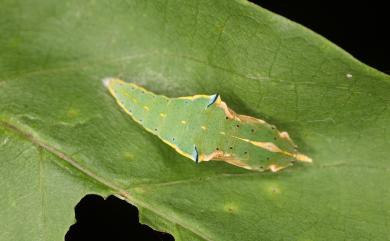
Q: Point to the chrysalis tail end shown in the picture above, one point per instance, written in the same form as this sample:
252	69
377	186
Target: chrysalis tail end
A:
303	158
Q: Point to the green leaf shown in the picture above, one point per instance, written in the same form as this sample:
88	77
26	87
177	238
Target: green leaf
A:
62	135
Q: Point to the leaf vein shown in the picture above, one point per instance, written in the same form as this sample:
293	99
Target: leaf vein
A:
113	186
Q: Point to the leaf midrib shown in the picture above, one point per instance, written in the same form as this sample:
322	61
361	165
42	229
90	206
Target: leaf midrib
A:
120	192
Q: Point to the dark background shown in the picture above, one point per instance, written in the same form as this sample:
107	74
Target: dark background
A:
358	28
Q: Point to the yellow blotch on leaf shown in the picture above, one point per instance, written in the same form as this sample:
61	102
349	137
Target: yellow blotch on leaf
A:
203	128
163	115
230	207
72	113
128	156
183	122
273	189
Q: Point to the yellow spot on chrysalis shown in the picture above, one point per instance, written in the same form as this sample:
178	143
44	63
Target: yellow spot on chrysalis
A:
183	122
146	108
222	133
163	115
203	127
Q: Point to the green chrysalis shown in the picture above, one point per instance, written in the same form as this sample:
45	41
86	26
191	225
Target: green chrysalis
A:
204	128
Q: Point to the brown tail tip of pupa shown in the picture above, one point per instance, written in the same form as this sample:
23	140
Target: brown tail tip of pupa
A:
303	158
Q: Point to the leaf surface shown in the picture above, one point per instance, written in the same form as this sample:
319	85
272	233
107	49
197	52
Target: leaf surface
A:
62	135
